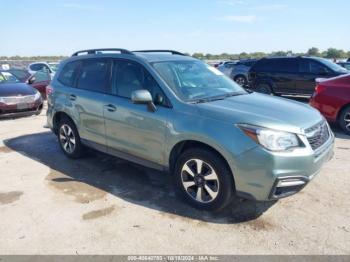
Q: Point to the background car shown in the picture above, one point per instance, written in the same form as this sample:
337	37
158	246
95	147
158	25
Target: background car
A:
16	98
43	66
226	67
332	99
40	80
291	75
346	65
21	74
240	71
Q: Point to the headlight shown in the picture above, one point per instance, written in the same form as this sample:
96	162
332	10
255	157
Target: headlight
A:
272	140
37	96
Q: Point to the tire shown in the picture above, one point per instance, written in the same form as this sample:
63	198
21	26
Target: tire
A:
69	139
344	120
241	80
211	189
264	89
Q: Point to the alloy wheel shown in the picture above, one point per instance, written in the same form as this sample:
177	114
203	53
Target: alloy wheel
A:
347	120
200	181
240	81
67	138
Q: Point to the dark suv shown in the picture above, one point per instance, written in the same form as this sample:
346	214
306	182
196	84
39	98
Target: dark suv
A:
291	75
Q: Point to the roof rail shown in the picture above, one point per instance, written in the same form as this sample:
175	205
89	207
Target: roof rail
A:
95	51
160	51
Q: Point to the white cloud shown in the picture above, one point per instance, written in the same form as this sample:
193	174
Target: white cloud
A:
240	18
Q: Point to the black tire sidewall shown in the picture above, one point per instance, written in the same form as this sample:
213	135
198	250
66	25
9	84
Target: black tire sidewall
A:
341	121
78	150
244	78
266	87
226	183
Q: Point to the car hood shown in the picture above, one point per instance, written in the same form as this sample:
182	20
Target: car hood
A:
263	110
16	89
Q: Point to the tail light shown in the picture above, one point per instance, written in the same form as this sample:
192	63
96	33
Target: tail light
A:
319	88
49	90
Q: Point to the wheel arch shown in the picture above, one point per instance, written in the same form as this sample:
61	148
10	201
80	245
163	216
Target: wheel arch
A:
183	145
58	117
341	110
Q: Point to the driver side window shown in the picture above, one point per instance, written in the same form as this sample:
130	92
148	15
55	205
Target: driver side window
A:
130	76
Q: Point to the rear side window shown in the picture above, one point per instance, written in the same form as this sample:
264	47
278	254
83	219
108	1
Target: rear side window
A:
69	73
311	67
283	65
94	75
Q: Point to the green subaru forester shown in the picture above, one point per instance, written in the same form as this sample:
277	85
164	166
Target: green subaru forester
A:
168	111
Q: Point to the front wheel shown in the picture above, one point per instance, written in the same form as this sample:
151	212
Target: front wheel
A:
241	80
344	120
204	179
264	89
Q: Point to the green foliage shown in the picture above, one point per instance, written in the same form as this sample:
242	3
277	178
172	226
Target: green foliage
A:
314	51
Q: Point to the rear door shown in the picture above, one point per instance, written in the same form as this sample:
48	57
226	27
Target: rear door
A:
280	72
132	131
309	71
88	99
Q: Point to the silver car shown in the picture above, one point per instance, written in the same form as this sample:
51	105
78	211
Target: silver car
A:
240	71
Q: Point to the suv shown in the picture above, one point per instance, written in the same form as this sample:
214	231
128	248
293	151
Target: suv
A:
171	112
291	75
240	71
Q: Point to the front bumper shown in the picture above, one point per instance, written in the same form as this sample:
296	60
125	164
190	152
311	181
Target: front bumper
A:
262	175
11	111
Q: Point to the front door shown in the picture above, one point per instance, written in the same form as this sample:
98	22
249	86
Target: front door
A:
131	129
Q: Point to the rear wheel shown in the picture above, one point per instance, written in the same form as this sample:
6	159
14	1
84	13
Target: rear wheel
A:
203	179
241	80
264	89
344	120
69	139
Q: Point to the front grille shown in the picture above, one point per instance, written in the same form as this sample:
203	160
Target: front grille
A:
318	135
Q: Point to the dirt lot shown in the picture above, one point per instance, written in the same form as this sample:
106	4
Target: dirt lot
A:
102	205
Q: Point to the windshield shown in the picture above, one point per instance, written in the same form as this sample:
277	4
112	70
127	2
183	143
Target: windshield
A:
331	65
194	80
53	66
6	77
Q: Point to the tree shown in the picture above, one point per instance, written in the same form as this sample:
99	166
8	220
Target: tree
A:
335	53
198	55
313	51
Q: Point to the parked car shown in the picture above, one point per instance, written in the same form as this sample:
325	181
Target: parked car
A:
226	67
332	99
240	71
171	112
16	98
42	66
40	80
291	75
346	65
21	74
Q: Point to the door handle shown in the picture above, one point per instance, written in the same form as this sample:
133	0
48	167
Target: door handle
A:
111	108
73	97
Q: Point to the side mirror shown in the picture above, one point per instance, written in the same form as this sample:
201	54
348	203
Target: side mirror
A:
143	97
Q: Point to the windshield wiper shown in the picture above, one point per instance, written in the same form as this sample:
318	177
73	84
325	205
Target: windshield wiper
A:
216	98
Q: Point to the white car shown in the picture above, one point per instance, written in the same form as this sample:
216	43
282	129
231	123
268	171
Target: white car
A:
43	66
226	67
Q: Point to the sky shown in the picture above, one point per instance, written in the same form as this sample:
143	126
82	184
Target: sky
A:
61	27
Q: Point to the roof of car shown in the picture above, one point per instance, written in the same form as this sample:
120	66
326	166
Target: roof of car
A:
148	55
163	57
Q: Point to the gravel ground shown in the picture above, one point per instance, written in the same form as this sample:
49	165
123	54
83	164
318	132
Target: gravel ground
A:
102	205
